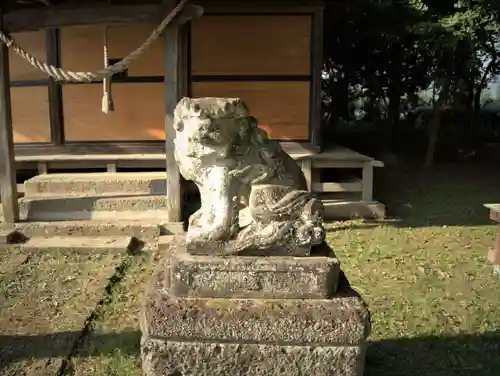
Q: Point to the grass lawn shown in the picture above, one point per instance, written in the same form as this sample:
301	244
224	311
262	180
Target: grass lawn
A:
45	301
434	300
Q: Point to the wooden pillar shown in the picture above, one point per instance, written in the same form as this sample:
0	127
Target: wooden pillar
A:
55	90
8	187
317	67
175	87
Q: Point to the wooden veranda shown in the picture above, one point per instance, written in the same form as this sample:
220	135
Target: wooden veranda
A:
18	16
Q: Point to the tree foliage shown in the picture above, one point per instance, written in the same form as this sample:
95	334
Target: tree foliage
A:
388	58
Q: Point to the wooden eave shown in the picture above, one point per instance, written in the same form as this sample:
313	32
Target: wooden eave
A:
64	13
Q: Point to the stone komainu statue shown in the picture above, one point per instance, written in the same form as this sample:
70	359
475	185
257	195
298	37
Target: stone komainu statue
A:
254	197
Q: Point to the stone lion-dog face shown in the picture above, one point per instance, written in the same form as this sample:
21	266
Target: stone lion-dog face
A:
210	126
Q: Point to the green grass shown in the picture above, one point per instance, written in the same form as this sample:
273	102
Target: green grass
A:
435	304
425	276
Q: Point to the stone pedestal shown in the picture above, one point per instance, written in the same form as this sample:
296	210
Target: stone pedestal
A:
252	316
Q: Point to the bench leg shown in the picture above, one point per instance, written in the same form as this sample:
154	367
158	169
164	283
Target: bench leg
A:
494	255
111	167
367	194
43	168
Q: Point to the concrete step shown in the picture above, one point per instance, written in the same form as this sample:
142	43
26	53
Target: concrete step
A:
345	210
94	184
83	244
144	230
104	208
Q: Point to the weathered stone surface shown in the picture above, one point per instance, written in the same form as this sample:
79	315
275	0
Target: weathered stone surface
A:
170	358
253	277
84	244
342	321
78	208
97	183
140	229
233	248
220	147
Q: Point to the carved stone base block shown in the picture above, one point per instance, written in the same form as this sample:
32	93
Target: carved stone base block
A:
169	358
252	276
185	332
231	248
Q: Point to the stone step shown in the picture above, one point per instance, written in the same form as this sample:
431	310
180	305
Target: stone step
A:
144	230
77	208
251	277
100	183
83	244
352	209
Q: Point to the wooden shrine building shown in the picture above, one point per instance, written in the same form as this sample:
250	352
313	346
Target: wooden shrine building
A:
267	52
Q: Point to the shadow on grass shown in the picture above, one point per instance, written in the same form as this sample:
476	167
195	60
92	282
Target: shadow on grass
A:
365	225
462	355
431	356
15	348
448	195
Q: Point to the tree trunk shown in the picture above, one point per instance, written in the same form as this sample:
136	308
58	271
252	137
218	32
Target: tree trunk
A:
394	94
435	125
393	115
434	129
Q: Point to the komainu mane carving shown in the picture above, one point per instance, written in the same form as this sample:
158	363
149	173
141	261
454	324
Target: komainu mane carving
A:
254	198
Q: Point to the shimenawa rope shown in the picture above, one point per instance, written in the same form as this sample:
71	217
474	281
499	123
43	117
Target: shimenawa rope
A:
60	74
107	98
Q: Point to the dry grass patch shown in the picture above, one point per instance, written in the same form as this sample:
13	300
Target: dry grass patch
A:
112	348
45	299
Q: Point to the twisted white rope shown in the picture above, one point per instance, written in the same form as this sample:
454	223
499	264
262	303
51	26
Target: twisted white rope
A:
107	104
60	74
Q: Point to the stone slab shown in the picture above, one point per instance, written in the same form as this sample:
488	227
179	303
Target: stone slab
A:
99	183
84	244
229	248
341	321
253	277
345	210
160	357
139	229
77	208
150	229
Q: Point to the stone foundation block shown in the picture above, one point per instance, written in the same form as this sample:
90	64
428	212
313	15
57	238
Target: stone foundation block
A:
230	247
175	358
340	321
196	336
272	277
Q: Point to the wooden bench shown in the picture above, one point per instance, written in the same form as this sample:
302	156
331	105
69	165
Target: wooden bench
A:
359	189
348	198
109	162
494	253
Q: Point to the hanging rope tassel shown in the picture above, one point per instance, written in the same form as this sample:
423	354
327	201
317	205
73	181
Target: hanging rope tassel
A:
107	98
